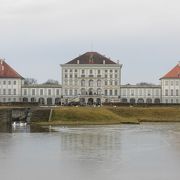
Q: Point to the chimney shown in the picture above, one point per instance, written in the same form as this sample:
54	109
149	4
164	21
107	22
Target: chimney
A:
104	62
77	61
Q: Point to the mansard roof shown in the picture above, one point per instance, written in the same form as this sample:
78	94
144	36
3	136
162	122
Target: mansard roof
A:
7	71
173	73
91	58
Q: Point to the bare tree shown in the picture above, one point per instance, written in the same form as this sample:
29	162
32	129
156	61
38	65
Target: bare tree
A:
30	81
51	81
144	84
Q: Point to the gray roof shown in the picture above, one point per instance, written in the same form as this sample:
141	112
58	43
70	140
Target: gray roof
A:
42	86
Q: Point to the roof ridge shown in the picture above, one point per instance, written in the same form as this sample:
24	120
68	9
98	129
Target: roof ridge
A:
173	73
91	58
6	71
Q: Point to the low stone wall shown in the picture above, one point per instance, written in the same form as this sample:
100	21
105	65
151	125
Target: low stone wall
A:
5	116
141	105
16	104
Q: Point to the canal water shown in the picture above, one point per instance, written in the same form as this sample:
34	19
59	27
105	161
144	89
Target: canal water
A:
150	151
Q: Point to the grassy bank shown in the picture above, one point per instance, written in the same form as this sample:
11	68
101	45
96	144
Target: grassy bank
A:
112	115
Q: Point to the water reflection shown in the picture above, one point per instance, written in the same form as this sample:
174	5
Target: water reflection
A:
128	152
23	128
87	141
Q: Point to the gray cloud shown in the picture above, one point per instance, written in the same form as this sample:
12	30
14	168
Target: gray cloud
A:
143	34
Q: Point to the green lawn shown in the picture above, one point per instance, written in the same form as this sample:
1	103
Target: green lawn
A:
113	115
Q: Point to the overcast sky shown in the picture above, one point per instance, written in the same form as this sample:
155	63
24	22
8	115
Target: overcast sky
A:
38	35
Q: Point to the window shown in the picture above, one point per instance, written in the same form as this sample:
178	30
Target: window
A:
166	83
70	76
33	92
70	82
106	83
65	75
106	75
70	92
172	92
172	83
91	83
70	70
75	75
110	93
82	71
132	92
99	71
90	71
115	92
140	92
41	92
177	83
172	101
115	71
25	92
105	92
75	70
106	71
157	92
111	71
116	83
65	82
111	83
177	92
66	92
75	83
83	83
14	82
99	83
49	92
57	92
75	92
111	76
14	91
4	91
166	92
65	70
115	75
4	82
9	82
9	91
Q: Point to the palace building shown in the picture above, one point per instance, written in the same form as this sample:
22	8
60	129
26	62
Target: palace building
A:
90	78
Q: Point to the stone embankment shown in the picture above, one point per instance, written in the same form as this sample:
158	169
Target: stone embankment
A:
32	114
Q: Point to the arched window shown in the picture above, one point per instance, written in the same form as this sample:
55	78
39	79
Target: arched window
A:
83	83
157	101
124	100
99	91
90	91
83	91
98	83
140	101
149	101
132	101
90	83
